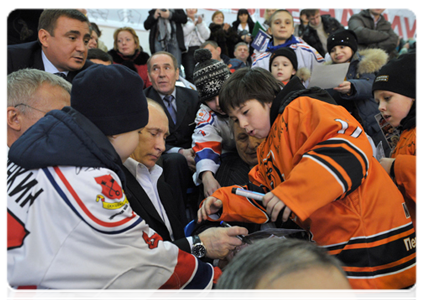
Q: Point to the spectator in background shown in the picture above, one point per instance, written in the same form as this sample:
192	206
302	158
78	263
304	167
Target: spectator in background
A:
93	43
62	45
299	28
31	93
242	57
268	12
318	29
244	25
196	32
355	92
166	33
216	51
374	31
223	34
277	263
282	30
100	44
98	56
127	51
394	90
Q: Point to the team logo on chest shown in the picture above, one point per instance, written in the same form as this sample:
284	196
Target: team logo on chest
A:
111	190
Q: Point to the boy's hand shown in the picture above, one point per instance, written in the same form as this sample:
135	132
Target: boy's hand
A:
210	184
274	205
210	206
344	87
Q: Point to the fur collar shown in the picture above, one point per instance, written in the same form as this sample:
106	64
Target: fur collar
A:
370	60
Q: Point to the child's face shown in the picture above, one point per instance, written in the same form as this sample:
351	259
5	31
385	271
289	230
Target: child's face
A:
214	105
253	117
282	27
341	54
282	68
394	107
125	143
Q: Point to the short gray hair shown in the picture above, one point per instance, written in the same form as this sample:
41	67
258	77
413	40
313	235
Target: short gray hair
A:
22	84
274	255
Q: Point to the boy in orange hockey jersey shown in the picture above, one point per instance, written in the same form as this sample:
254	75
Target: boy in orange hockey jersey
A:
395	92
317	168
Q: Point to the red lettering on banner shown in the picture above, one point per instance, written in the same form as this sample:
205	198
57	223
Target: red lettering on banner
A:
346	14
410	33
397	23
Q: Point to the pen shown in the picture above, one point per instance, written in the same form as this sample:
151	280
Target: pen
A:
241	237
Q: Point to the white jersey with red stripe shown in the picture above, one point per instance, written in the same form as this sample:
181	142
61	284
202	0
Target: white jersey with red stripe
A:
73	228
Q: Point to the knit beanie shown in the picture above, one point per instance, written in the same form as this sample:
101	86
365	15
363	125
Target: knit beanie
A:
288	53
345	37
398	76
111	97
209	74
402	76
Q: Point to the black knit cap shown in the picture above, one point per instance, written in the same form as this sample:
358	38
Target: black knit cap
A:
288	53
398	76
209	74
111	97
345	37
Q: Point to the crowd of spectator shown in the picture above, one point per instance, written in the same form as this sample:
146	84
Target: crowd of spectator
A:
123	166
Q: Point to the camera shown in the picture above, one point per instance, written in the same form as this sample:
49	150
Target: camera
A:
163	9
199	15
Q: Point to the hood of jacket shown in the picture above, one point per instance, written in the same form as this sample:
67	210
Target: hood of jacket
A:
271	48
65	138
368	60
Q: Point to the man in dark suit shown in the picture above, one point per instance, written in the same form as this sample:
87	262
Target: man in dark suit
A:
62	45
178	159
156	202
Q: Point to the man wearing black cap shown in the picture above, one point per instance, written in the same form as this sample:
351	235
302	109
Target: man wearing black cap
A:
70	225
61	48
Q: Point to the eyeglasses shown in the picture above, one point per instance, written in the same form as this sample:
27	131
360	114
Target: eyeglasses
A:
44	112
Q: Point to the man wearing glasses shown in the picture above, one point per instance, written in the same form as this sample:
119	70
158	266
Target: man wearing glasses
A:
318	29
31	94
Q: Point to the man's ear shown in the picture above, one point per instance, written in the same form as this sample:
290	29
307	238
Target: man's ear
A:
177	74
43	36
13	120
219	50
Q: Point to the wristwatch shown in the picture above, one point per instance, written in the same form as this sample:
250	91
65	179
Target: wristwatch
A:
198	248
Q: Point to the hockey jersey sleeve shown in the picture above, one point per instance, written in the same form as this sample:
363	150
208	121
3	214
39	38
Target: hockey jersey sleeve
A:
207	143
83	234
405	174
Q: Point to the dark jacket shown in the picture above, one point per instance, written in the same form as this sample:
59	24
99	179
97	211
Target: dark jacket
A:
65	138
226	40
178	18
382	36
28	55
310	36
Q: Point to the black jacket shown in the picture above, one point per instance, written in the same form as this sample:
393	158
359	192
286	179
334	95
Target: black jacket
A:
178	17
310	36
28	55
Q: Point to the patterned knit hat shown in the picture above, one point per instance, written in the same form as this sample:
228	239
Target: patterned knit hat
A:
209	74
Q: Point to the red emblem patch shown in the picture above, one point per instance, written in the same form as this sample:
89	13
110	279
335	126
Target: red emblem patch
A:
110	188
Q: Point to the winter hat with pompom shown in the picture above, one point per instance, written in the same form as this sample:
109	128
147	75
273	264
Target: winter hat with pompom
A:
209	74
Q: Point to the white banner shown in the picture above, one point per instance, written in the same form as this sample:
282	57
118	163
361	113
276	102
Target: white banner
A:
403	20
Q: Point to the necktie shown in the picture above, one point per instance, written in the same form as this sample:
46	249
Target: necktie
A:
168	101
61	75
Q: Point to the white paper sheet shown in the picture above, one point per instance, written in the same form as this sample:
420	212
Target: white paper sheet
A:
328	76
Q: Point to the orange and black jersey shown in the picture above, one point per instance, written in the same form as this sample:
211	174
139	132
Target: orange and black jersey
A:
318	161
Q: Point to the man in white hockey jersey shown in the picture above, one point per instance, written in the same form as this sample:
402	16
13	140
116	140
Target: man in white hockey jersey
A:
70	225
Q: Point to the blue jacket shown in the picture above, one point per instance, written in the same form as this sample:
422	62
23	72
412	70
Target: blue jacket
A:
65	138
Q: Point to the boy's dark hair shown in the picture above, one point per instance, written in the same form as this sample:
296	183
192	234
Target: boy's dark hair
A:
246	84
48	18
278	11
311	12
96	53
